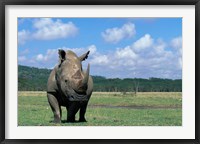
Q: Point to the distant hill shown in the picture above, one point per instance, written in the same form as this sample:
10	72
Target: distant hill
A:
31	78
35	79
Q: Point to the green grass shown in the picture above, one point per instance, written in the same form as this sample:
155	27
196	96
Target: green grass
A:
139	100
107	109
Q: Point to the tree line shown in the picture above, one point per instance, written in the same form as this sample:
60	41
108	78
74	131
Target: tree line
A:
35	79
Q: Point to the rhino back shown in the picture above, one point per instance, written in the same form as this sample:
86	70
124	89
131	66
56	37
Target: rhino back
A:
51	84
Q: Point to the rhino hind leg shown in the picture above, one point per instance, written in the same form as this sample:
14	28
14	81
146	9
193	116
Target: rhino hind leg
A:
82	112
55	107
72	109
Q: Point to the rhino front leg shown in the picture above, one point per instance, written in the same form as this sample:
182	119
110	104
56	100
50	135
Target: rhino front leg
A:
55	107
72	109
82	112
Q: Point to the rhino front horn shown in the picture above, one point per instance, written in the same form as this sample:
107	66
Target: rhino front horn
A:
86	76
82	87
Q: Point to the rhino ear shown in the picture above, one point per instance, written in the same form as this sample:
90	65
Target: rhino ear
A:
61	55
84	56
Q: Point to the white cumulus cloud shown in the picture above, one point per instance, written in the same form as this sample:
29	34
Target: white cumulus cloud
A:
144	58
50	55
40	57
50	58
43	22
156	58
126	52
144	42
114	35
92	49
99	60
48	29
177	42
23	36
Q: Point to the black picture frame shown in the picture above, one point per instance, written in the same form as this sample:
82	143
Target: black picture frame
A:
3	4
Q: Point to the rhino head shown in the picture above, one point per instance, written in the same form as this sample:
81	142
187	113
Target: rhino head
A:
70	77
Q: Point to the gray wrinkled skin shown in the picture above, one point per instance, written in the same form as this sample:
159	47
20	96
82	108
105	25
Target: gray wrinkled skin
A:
69	86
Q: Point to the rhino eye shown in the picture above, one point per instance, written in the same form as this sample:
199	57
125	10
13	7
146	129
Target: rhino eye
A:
65	81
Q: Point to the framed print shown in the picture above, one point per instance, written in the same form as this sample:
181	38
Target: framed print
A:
99	72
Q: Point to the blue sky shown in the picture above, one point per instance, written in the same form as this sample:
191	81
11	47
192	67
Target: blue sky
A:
119	47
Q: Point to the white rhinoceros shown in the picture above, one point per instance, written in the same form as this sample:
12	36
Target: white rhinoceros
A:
68	85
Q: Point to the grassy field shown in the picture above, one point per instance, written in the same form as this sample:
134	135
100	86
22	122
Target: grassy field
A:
107	109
